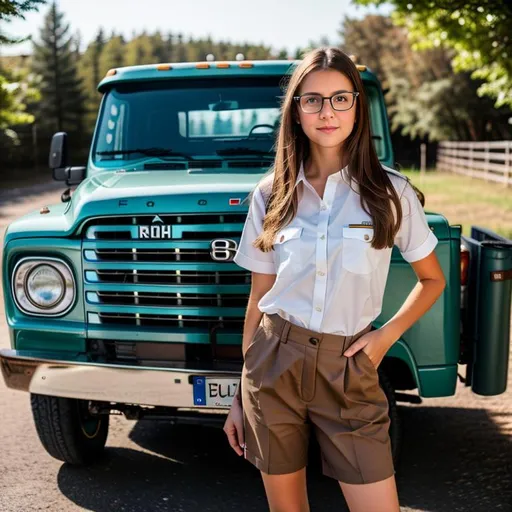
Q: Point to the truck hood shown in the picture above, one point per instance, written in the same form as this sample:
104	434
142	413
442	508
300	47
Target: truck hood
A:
113	193
139	193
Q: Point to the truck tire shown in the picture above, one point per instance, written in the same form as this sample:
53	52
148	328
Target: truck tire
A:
395	428
66	429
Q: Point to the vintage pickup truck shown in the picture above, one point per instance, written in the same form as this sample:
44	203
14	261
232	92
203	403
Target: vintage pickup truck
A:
124	296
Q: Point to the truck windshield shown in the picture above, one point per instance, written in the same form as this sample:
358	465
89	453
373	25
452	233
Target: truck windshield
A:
188	118
182	119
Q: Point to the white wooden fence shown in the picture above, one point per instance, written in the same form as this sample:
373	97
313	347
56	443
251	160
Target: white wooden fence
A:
491	161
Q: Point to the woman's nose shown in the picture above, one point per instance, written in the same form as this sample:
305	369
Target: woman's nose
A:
326	110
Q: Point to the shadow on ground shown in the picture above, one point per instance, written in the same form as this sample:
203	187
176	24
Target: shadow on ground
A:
453	459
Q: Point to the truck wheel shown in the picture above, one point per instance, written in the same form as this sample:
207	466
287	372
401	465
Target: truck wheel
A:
67	430
395	428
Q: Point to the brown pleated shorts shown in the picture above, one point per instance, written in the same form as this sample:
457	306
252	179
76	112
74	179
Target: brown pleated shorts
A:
294	378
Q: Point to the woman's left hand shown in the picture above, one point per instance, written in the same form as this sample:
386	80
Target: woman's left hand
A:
374	343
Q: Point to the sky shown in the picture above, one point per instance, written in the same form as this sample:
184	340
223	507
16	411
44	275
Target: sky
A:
280	24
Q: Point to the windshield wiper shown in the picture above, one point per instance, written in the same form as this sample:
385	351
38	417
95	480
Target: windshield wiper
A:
245	151
144	151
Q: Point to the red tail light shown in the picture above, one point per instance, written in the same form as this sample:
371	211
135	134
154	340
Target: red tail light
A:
464	265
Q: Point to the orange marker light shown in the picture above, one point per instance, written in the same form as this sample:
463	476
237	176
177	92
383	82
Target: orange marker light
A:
246	65
163	67
222	65
202	65
111	72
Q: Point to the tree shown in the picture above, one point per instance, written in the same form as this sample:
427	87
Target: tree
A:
54	61
478	30
15	91
420	87
90	74
11	9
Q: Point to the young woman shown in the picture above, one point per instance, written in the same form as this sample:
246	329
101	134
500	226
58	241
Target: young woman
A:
331	213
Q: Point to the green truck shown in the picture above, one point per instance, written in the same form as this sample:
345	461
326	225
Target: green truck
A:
124	297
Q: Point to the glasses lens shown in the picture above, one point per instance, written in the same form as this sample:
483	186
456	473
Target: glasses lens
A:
311	103
342	101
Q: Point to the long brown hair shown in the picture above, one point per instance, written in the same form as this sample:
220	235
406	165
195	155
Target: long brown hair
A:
378	196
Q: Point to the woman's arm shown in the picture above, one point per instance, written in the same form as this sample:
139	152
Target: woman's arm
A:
233	427
430	286
260	285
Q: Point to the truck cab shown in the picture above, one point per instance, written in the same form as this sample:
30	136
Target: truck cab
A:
125	297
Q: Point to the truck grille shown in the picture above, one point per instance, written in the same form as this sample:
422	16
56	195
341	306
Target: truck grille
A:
163	283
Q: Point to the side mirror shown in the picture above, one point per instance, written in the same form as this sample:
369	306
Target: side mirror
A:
71	175
58	161
58	151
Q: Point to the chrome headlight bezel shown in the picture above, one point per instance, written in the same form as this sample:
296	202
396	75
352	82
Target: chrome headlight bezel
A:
20	275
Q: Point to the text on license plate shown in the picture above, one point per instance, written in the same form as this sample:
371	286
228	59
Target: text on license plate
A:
214	391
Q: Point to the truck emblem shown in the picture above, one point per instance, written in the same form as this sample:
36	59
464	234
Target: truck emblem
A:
155	231
223	249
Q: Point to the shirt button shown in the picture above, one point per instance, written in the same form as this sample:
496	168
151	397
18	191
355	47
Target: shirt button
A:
318	308
322	237
324	207
366	237
320	273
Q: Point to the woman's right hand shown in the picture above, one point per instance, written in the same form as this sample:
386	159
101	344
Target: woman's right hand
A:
234	426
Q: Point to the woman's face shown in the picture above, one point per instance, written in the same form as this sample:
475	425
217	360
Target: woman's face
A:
327	83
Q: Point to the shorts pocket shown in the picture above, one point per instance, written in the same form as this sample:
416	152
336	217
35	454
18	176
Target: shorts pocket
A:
357	254
288	245
369	363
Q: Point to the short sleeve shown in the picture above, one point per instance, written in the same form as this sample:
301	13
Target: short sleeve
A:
414	239
248	256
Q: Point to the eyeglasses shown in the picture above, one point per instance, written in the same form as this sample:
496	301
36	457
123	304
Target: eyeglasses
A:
313	103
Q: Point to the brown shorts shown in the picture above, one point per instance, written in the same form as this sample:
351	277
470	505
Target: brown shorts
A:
294	378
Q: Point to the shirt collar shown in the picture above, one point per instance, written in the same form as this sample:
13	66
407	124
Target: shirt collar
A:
343	174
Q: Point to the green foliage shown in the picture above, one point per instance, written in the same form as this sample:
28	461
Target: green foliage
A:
425	97
15	90
54	62
479	31
11	9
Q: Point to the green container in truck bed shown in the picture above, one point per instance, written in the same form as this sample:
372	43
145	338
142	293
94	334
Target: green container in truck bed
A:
124	297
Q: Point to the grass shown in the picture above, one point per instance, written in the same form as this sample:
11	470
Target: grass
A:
466	201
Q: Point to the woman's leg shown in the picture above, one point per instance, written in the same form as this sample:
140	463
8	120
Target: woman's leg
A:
288	492
376	497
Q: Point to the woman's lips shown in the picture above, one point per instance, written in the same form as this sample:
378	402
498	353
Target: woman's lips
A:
328	130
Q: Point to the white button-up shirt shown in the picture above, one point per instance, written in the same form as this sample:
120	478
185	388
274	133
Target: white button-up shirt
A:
328	277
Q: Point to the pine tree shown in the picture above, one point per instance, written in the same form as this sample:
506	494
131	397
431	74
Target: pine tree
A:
54	60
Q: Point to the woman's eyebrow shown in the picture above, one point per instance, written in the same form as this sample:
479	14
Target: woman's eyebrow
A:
335	92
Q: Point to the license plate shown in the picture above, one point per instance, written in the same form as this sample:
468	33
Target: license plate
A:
214	391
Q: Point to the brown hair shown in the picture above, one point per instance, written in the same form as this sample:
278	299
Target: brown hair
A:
375	188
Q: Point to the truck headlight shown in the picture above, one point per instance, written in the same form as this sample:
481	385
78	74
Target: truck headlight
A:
44	287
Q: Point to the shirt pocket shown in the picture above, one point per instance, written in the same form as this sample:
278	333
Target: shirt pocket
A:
287	245
357	254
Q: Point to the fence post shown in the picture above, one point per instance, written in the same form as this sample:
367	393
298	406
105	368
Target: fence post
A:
487	151
34	148
508	163
423	161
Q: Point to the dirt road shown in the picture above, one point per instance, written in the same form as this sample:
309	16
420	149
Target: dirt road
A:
457	452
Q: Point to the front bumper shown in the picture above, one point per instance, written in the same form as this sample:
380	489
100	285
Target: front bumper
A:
170	387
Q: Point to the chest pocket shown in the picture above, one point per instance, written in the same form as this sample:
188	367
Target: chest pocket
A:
287	245
358	256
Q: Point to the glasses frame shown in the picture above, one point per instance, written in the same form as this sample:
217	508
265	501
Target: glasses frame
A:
355	94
